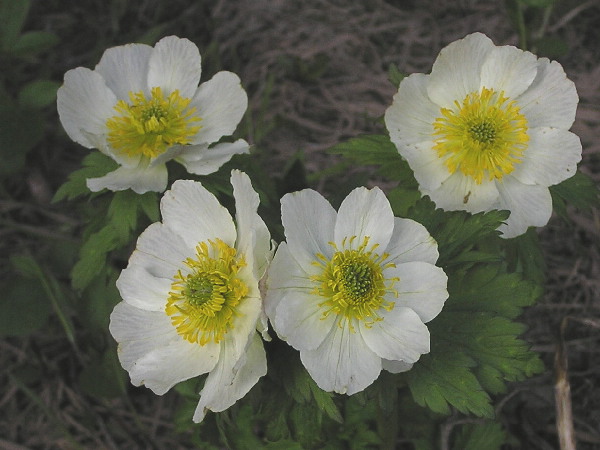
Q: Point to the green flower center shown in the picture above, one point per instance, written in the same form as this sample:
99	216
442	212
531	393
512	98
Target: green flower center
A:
202	303
484	137
352	282
149	126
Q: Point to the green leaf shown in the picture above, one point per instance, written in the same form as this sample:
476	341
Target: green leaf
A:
379	151
104	377
325	402
29	267
443	378
93	254
37	94
395	76
456	231
21	130
579	191
95	165
24	307
12	18
488	436
34	42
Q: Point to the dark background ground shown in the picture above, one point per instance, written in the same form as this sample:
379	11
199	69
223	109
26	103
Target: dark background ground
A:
316	73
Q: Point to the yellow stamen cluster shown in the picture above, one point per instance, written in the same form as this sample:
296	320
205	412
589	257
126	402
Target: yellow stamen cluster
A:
202	303
352	282
484	137
149	126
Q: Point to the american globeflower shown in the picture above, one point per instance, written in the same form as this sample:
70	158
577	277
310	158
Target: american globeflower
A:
191	301
142	106
353	289
488	129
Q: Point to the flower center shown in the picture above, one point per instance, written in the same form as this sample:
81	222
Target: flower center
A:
149	126
203	302
484	137
353	284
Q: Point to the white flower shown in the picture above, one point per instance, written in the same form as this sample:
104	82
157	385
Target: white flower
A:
488	129
352	290
191	300
142	106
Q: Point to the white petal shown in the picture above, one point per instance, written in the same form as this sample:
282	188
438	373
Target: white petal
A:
411	242
457	69
528	205
410	118
399	336
284	276
243	325
254	239
231	380
300	321
551	157
196	215
175	65
180	360
422	288
396	366
429	169
308	220
551	100
509	69
365	213
160	251
221	103
140	179
125	69
343	362
138	332
202	160
460	192
143	290
84	104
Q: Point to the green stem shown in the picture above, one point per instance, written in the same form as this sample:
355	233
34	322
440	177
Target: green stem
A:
521	26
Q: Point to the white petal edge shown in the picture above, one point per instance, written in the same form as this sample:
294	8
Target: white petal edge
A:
175	64
411	241
551	157
221	103
231	380
125	69
551	100
410	118
309	220
422	288
84	103
253	237
457	70
528	205
460	192
343	363
401	335
179	360
140	179
141	289
196	215
365	213
509	69
396	366
203	160
429	169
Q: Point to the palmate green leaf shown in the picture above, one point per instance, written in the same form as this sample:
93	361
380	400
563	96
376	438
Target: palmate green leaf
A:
95	165
579	191
456	232
443	378
488	436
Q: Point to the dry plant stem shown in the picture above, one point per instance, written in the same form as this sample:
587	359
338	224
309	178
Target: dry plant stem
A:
562	394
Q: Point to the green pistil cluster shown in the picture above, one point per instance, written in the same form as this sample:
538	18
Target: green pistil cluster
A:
352	283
